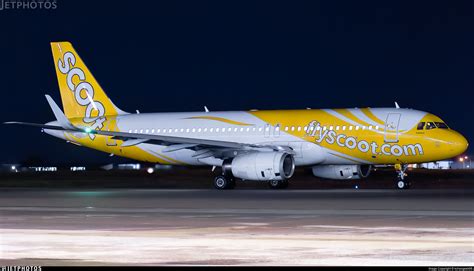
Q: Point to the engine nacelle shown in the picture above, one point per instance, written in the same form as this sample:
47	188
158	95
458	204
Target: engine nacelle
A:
342	172
261	166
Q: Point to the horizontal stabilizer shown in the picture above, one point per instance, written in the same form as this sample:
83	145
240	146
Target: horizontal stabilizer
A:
44	126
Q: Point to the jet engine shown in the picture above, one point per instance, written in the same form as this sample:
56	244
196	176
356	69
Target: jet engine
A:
342	172
261	166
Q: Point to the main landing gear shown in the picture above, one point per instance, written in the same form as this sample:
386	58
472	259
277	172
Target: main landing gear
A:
275	184
402	180
222	182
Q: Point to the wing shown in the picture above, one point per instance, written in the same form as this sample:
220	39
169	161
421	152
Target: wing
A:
203	147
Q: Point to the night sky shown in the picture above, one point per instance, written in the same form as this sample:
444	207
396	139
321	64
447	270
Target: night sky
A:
159	56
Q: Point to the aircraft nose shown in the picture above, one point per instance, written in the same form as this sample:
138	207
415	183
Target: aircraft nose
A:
459	143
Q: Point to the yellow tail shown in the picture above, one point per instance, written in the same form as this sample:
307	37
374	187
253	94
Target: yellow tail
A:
81	94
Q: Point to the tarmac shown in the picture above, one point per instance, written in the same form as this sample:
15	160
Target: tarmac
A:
236	227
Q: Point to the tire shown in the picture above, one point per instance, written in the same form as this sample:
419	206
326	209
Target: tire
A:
220	182
401	184
274	184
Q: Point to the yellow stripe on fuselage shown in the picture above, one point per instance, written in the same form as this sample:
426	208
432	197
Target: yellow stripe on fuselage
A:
371	116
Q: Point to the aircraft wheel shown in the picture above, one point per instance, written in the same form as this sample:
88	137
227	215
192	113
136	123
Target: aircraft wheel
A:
275	184
221	182
403	184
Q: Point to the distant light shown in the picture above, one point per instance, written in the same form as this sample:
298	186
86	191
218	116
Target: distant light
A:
356	187
150	170
465	157
461	159
13	167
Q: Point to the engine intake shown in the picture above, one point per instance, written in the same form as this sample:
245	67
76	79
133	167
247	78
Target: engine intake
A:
342	172
261	166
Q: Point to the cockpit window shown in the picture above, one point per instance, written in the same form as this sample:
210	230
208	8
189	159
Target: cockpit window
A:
430	125
420	126
441	125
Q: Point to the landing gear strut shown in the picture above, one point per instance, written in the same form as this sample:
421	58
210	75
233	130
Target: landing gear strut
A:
222	182
402	180
275	184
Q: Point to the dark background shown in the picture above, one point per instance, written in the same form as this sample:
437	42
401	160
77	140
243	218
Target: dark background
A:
159	56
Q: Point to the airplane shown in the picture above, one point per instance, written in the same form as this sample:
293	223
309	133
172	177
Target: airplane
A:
255	145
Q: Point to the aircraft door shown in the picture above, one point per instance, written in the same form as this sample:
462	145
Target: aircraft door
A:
391	127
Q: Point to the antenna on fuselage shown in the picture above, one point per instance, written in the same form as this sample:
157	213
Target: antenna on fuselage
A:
396	105
205	109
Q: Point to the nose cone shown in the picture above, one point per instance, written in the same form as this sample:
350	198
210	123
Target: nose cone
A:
459	143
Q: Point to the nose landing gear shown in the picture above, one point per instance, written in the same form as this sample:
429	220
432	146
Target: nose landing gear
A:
402	180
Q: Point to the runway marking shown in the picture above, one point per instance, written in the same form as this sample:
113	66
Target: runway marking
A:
349	212
466	230
251	224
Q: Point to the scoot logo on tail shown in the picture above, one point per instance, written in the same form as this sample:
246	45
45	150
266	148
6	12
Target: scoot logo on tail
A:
87	101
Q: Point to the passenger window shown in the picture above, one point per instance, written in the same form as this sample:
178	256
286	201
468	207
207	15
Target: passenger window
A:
430	125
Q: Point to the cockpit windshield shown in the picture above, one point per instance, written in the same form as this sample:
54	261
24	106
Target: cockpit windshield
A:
441	125
431	125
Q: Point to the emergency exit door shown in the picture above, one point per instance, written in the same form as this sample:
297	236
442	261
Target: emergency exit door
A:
391	127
